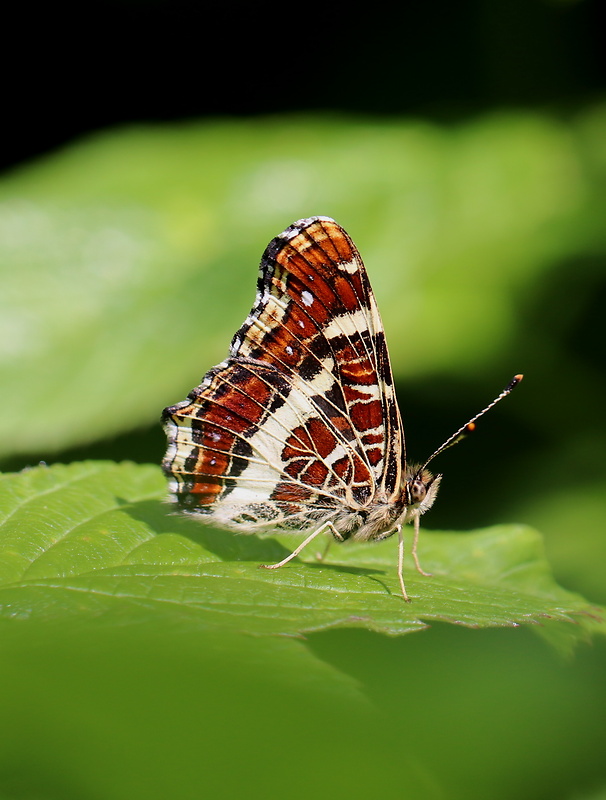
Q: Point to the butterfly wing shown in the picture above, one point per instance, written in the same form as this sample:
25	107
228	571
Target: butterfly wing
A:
301	418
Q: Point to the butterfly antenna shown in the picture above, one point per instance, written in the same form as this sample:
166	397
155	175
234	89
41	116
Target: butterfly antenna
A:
457	436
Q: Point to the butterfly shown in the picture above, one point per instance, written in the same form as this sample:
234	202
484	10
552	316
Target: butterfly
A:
299	428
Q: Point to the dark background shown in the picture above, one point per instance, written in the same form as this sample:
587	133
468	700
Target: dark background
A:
72	69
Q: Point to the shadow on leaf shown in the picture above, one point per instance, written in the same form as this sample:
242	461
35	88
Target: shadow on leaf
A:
224	544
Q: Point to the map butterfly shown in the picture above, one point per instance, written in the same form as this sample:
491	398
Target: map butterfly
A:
299	429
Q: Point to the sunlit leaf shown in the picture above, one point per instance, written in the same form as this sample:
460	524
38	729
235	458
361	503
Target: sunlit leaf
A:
95	538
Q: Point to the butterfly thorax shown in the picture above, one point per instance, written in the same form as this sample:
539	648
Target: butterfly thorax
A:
383	516
377	520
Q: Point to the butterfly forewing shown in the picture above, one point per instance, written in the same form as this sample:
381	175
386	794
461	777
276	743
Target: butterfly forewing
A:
301	418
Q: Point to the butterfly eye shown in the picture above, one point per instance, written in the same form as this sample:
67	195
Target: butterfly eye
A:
418	490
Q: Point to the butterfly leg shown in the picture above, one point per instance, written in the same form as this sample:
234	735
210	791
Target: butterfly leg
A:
303	545
386	535
415	540
401	563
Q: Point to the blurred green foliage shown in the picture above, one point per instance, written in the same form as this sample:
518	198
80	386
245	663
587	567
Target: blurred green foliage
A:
132	246
127	261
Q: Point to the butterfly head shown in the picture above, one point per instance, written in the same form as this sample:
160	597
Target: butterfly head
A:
420	488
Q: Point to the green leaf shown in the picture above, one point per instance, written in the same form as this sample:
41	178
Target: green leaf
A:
96	539
135	661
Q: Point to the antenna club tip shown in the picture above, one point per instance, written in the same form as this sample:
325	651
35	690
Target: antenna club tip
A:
514	382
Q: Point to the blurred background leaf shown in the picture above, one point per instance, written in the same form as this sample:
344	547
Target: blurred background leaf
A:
151	150
146	242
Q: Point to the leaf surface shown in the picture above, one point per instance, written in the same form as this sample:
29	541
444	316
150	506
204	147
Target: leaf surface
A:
96	538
